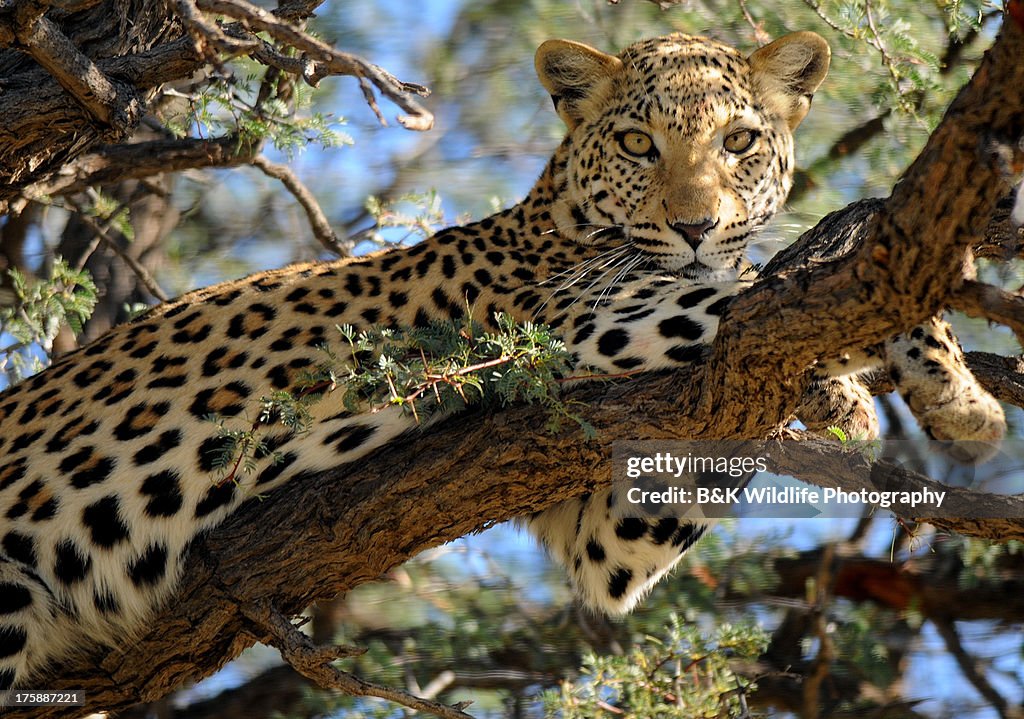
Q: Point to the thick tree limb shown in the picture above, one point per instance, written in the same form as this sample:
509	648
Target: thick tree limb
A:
41	131
354	524
1003	377
109	102
135	161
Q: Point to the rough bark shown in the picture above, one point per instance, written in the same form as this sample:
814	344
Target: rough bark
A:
78	77
350	527
48	112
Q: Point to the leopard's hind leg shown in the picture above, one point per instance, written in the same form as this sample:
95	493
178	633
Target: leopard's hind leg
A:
927	366
843	402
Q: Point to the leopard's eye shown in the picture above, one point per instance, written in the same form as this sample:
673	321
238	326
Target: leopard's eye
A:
637	144
740	141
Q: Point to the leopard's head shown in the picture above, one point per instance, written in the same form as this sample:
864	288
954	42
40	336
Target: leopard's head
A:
679	144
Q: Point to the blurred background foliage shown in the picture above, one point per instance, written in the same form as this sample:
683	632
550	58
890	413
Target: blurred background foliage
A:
840	618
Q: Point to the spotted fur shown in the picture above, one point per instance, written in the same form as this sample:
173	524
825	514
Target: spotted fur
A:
678	150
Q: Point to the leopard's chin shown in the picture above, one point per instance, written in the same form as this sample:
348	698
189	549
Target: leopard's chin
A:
697	271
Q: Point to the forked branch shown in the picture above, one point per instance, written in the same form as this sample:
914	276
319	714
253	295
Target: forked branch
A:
315	663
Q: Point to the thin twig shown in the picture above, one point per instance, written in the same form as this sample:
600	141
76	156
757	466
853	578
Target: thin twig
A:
875	41
816	7
326	59
760	36
886	59
317	220
314	663
96	239
969	668
141	272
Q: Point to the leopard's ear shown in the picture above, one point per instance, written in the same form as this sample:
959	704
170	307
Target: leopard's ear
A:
786	73
573	73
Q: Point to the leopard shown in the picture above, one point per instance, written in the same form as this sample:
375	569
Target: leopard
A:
629	246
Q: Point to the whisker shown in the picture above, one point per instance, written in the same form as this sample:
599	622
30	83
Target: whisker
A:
614	263
581	270
609	261
626	269
582	224
584	263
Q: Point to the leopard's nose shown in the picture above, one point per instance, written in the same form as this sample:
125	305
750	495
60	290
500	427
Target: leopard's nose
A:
693	232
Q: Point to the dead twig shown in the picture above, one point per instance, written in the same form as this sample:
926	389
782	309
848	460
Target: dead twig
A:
317	220
96	239
208	38
325	60
761	37
141	272
314	663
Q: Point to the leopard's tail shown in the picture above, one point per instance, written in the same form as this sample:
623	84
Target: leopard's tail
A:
28	613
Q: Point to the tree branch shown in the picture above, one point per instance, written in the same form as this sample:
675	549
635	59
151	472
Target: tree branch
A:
1002	377
355	523
315	663
208	38
112	103
134	161
970	669
892	279
40	132
322	229
141	272
976	299
333	62
932	589
821	665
